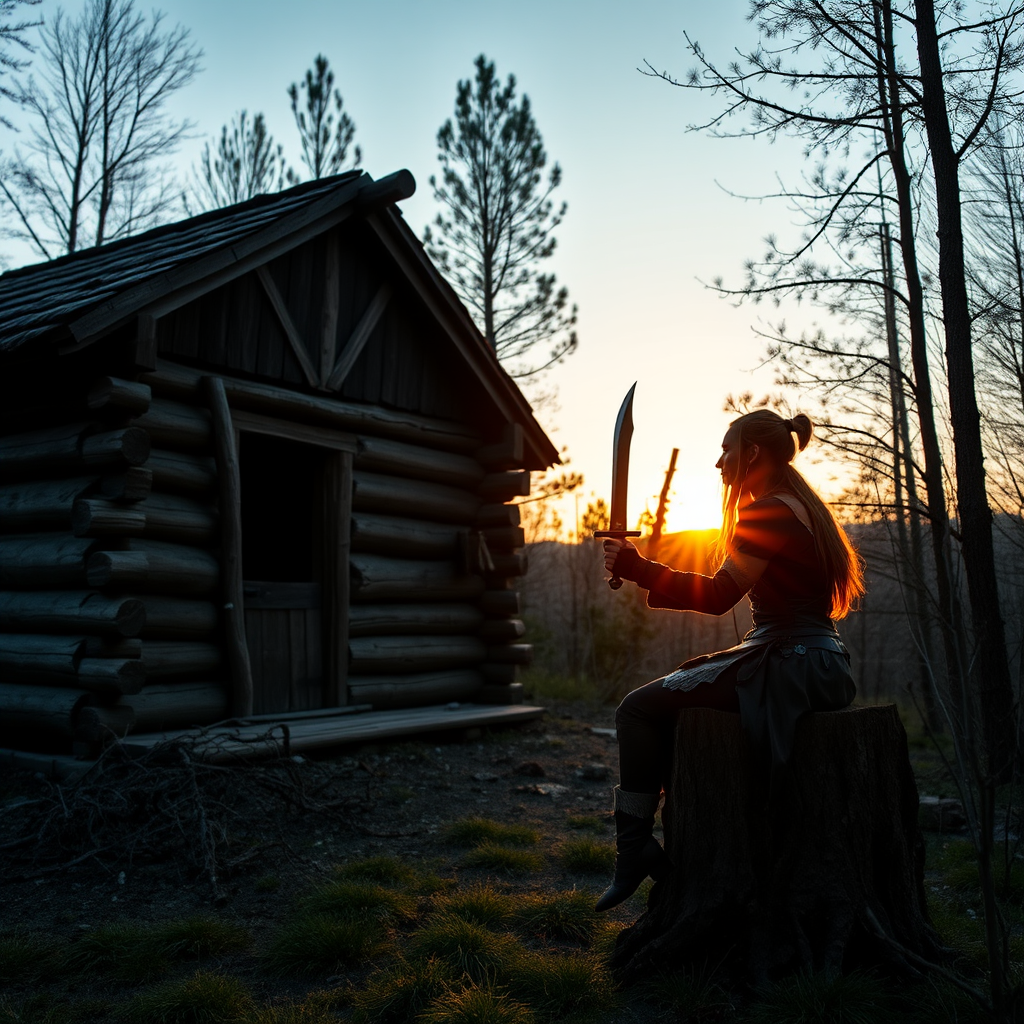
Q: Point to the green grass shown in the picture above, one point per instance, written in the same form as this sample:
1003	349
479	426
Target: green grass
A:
464	949
198	937
586	823
398	993
201	999
131	952
382	870
476	1005
957	862
587	855
25	957
316	1008
480	904
554	985
48	1008
475	831
121	951
393	872
854	998
541	685
359	901
310	945
492	857
692	993
560	915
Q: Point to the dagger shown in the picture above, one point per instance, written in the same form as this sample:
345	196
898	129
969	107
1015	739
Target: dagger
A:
620	477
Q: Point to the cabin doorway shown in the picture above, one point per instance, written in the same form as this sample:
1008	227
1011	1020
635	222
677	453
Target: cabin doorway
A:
294	521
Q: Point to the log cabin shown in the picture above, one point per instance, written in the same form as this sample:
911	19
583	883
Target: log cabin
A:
256	465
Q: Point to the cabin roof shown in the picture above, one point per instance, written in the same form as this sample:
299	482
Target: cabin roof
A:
79	298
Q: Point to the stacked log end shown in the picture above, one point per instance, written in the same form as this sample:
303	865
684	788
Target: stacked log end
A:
108	572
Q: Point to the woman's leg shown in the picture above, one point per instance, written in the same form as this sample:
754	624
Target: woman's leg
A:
645	723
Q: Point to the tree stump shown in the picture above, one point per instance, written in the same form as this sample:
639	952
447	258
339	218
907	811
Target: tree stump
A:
830	877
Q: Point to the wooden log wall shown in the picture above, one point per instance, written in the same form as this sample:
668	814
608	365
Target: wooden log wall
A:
110	574
436	542
109	571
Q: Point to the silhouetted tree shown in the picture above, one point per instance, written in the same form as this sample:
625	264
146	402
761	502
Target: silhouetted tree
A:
93	167
12	34
325	130
245	164
497	224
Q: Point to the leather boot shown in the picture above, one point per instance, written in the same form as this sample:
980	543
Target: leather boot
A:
637	852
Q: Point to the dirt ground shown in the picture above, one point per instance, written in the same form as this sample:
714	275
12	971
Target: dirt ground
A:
395	799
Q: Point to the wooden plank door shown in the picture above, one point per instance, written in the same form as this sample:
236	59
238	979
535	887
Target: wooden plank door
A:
295	511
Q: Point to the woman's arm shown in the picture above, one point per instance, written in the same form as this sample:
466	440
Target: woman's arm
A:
689	591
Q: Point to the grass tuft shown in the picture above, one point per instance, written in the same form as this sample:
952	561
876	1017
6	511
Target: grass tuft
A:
199	936
359	901
476	831
382	870
560	915
49	1008
316	1008
399	993
476	1005
493	857
586	823
587	855
25	957
479	904
556	985
201	999
465	949
122	951
692	993
320	944
855	998
603	944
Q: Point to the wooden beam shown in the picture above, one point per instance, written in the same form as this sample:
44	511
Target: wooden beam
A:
304	433
226	455
182	382
330	309
359	337
284	318
337	514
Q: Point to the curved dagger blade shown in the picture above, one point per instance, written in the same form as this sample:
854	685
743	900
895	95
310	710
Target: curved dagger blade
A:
620	462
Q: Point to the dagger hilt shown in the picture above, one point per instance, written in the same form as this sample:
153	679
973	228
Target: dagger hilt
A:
615	582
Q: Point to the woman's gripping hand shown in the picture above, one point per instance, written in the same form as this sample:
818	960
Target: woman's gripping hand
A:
612	548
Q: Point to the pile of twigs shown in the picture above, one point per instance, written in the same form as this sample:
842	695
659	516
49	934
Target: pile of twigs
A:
177	803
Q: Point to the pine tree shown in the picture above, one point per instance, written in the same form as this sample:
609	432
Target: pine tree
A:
325	130
246	163
497	224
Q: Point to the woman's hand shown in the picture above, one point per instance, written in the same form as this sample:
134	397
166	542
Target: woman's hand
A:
612	548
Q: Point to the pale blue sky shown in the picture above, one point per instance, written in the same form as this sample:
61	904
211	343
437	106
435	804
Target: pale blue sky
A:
646	217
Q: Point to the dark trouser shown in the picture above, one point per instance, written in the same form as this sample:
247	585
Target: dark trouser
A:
645	724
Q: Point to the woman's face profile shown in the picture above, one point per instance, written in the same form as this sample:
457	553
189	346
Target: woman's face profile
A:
729	463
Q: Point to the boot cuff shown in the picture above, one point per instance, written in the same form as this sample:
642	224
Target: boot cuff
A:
639	805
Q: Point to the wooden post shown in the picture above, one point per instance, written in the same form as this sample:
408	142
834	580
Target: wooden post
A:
337	517
226	455
654	541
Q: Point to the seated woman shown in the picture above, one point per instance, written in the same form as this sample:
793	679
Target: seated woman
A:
780	545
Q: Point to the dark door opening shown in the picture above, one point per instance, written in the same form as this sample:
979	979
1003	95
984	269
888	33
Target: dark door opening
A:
282	512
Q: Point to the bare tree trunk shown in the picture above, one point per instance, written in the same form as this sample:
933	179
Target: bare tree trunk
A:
991	674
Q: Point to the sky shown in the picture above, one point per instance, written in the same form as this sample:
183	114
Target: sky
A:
650	215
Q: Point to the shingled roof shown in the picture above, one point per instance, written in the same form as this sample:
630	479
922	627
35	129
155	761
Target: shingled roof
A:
77	299
52	300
